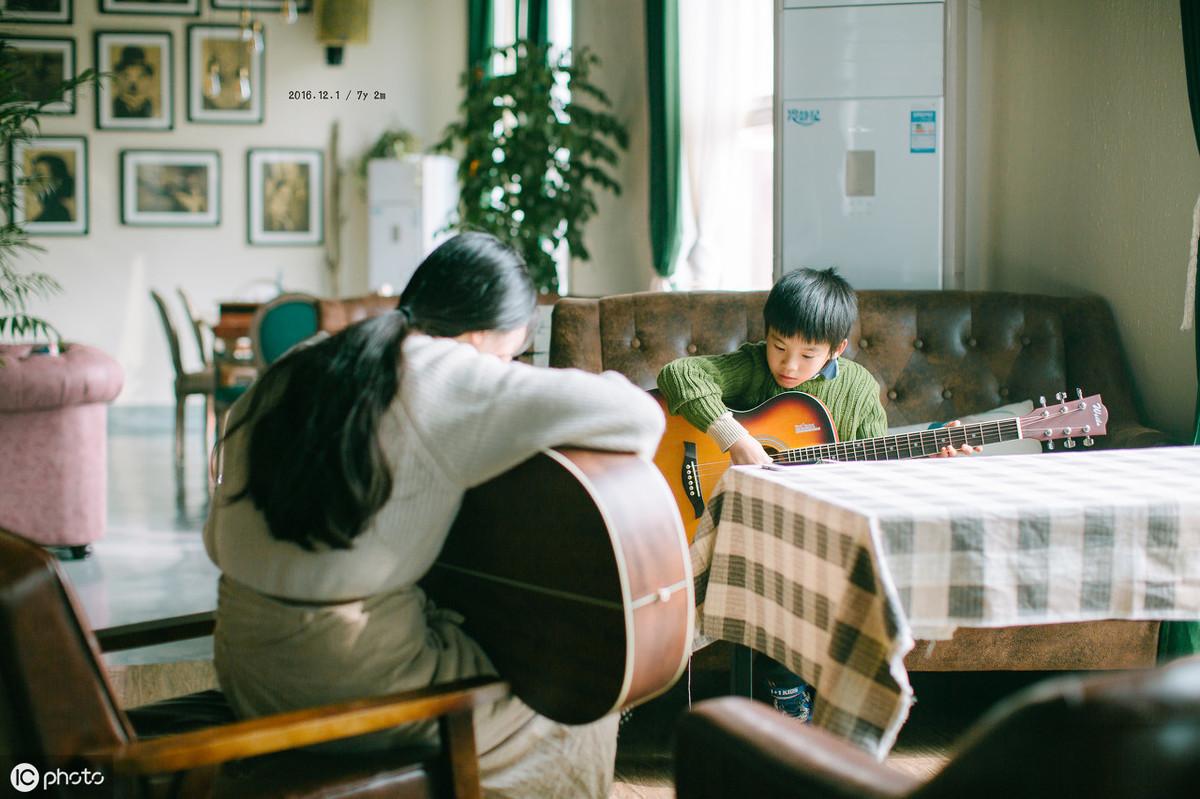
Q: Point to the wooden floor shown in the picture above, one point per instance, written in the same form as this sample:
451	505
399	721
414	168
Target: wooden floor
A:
947	704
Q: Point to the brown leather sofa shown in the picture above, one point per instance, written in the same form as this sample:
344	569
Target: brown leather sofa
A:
1128	736
936	355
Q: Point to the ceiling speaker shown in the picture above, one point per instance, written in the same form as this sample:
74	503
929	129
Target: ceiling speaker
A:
341	22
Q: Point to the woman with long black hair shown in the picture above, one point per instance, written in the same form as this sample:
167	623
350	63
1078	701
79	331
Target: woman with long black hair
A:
343	469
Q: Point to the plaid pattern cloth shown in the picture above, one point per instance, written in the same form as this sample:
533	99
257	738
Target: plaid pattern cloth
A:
832	569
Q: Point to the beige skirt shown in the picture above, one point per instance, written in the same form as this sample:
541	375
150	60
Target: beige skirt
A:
274	656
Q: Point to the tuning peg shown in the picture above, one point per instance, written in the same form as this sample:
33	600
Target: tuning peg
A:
1069	443
1087	442
1050	445
1060	396
1042	400
1079	393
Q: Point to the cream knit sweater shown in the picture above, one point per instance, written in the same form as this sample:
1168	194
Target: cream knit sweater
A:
459	419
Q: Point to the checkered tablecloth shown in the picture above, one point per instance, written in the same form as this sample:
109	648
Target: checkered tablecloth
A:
834	568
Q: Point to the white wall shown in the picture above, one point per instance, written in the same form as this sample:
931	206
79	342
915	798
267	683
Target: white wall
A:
416	53
618	237
1089	172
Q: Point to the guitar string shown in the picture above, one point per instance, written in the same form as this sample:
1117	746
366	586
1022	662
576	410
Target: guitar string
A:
884	448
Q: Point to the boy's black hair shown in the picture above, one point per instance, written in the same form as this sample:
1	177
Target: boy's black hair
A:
816	304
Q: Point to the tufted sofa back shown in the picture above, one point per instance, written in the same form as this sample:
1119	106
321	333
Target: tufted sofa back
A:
936	354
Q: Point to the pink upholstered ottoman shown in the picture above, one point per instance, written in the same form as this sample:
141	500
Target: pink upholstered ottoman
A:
53	442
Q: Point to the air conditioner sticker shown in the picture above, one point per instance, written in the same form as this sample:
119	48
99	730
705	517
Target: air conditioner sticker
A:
922	136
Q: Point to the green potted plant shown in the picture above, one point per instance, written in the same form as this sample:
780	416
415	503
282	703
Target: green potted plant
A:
19	121
533	150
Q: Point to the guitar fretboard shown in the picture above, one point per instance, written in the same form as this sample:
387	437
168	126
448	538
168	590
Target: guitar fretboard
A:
920	444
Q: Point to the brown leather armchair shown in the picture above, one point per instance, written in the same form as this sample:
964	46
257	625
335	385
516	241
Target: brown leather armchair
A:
936	355
1128	736
57	712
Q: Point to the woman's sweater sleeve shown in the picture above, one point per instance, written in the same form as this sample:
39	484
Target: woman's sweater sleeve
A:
483	416
696	387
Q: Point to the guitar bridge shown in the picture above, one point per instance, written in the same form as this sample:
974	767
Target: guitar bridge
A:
690	476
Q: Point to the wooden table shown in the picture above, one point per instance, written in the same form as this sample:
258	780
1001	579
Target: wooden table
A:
233	356
834	568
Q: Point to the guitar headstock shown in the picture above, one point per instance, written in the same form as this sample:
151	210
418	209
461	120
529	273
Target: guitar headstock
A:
1082	417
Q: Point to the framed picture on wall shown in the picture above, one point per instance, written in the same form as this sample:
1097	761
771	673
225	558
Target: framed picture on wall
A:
40	65
178	8
53	200
225	76
139	96
301	6
171	188
39	11
285	196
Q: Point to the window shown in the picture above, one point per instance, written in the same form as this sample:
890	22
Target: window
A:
726	53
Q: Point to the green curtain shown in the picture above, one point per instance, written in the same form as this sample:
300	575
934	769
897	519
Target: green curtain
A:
662	76
479	33
1180	638
537	21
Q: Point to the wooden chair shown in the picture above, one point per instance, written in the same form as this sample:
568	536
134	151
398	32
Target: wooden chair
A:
198	327
186	383
57	711
1134	735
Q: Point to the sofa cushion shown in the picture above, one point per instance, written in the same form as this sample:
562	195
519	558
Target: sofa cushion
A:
33	381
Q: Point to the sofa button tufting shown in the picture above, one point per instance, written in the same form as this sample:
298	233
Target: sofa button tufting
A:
864	344
972	342
691	348
919	343
635	343
1025	341
892	394
947	394
1004	391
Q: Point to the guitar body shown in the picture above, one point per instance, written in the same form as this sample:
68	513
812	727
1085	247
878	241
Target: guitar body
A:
572	573
692	463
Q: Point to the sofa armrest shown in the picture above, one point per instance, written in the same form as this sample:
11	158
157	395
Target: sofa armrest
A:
156	631
300	728
1133	434
575	335
736	747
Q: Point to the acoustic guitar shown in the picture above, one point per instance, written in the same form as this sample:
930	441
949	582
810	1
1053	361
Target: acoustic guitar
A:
795	427
573	574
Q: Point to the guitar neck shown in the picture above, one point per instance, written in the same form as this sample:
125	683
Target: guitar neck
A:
920	444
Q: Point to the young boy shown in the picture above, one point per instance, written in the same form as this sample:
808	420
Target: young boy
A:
807	317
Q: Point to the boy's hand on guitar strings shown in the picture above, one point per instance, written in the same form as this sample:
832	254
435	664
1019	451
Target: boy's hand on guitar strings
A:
747	451
965	449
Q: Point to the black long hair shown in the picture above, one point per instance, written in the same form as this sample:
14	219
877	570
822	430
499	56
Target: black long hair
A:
316	468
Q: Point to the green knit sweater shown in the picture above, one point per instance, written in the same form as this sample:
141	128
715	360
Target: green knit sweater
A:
702	387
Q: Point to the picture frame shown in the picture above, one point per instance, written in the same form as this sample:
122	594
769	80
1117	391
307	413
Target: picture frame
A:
172	8
302	6
170	188
47	63
285	196
225	76
141	94
38	12
57	205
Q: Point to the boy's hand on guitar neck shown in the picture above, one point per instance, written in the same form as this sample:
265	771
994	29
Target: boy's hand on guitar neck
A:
747	451
965	449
